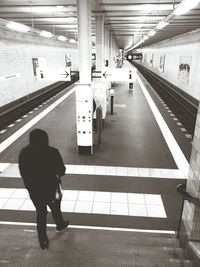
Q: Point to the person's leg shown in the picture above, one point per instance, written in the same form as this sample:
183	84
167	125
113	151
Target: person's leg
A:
56	212
41	219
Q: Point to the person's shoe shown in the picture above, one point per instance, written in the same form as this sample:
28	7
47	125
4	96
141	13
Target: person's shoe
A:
62	227
44	245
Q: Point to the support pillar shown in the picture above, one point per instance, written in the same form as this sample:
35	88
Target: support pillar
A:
99	42
111	50
191	213
106	45
84	94
99	87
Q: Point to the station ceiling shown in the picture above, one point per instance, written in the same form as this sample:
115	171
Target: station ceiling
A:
128	20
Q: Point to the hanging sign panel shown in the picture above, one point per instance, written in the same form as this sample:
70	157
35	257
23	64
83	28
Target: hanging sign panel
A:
59	74
118	74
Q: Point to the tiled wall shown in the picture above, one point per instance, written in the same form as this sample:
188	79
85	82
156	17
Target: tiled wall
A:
16	53
191	213
185	48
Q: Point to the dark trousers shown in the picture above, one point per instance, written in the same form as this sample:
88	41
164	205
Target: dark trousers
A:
41	210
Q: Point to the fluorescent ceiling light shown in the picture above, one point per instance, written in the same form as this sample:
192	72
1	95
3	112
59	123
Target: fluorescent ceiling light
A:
17	27
151	33
62	38
46	34
146	37
59	7
67	26
162	24
72	30
72	41
185	6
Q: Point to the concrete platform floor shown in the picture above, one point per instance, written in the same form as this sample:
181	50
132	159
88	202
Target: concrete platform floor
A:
88	248
128	138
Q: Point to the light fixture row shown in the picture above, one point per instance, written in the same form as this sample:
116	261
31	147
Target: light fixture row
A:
181	9
15	26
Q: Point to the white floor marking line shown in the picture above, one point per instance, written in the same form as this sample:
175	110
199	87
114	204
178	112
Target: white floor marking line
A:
93	227
3	166
176	152
27	126
11	170
11	125
91	202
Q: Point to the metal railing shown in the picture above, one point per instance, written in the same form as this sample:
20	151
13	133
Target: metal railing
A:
181	188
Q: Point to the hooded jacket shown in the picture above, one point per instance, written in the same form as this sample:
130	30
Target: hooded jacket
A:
39	166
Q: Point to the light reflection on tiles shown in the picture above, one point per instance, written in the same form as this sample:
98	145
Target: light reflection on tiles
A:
96	202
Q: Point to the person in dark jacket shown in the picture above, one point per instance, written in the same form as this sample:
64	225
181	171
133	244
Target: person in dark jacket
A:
41	166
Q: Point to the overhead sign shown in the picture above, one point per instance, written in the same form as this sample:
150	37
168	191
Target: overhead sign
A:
59	74
118	74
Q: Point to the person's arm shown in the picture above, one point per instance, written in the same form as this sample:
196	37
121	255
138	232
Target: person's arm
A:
60	166
22	165
23	168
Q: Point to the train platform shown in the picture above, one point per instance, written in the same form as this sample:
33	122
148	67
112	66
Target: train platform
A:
128	183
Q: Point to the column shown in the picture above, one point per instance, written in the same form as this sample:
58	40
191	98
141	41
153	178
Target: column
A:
111	50
84	40
99	42
106	45
84	93
191	213
99	87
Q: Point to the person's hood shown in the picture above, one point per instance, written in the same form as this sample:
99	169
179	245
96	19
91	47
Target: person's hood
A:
39	138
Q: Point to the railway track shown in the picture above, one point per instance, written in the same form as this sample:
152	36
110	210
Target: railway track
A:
11	112
182	105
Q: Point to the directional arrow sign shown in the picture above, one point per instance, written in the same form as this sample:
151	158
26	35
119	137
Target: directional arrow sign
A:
118	74
58	74
106	74
65	74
